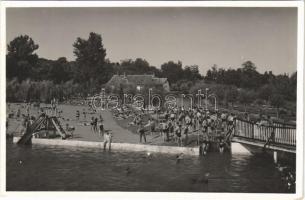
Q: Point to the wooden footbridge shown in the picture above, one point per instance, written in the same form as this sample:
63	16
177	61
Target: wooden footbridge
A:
251	134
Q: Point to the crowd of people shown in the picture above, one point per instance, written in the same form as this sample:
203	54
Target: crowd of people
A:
178	124
181	125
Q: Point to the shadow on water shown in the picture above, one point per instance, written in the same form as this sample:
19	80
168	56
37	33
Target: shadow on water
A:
47	168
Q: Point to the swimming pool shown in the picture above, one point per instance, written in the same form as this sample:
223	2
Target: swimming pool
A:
50	168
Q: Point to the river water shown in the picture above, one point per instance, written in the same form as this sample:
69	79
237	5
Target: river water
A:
50	168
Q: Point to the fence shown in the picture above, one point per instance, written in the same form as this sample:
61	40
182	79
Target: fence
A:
284	133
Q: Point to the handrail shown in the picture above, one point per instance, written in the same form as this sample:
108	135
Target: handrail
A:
277	124
281	135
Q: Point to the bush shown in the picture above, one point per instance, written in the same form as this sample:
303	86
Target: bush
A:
42	91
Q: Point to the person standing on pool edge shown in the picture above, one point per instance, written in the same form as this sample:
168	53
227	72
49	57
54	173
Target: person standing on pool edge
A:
107	139
142	133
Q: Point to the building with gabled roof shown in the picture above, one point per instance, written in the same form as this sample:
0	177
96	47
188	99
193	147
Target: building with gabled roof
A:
138	81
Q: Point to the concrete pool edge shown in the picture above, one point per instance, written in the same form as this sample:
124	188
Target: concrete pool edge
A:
191	151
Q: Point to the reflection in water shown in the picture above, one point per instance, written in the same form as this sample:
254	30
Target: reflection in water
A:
45	168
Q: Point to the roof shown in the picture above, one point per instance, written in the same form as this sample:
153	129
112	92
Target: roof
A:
137	79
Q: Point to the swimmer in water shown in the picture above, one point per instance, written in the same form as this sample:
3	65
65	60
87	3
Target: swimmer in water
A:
179	157
128	171
221	145
148	155
203	148
203	179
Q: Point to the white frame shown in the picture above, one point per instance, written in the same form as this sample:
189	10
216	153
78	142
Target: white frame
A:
153	195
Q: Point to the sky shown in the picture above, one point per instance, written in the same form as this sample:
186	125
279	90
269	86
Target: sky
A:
226	37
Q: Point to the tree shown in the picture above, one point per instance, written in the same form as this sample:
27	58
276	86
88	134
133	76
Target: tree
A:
248	67
90	59
21	57
212	74
191	73
265	92
277	101
250	77
246	97
232	77
293	86
59	71
173	71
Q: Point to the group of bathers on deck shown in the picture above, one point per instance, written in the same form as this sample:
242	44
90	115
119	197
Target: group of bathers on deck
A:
179	124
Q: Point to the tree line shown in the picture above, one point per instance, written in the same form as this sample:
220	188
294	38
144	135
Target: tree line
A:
89	71
30	77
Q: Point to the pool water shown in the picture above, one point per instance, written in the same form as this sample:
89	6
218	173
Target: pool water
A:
50	168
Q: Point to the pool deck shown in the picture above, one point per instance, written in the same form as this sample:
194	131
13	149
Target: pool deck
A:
119	134
123	139
84	133
189	151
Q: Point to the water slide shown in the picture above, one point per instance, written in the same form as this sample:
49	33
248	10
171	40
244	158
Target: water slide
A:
30	130
58	127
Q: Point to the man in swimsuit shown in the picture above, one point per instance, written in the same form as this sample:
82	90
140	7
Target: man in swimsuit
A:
107	139
221	145
178	131
141	131
271	138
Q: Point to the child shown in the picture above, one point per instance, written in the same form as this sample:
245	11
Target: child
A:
92	124
203	148
101	129
178	131
84	114
221	145
70	129
95	125
185	133
77	115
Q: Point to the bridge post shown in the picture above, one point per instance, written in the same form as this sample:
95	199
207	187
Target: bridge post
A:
275	156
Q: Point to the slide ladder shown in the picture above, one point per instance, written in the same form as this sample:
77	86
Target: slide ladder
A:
58	127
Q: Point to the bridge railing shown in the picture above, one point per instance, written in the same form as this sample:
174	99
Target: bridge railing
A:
284	134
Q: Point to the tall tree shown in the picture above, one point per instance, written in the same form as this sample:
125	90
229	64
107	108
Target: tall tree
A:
250	77
90	59
21	57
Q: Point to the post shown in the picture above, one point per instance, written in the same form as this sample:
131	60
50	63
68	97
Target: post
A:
206	99
149	103
103	99
252	130
214	96
275	157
